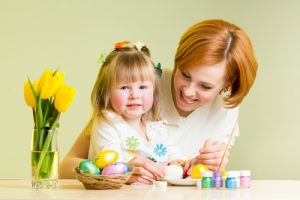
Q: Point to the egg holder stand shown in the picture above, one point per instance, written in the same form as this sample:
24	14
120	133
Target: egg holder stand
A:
101	182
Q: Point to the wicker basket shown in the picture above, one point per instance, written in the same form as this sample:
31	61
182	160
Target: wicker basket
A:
101	182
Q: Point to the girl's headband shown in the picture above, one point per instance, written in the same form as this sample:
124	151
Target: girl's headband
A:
139	45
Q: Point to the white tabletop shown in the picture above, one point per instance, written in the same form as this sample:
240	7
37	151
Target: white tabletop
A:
72	189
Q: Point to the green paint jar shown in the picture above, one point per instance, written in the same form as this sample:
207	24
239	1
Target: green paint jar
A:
207	182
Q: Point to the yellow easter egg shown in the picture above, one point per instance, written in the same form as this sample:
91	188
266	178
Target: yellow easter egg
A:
105	157
197	171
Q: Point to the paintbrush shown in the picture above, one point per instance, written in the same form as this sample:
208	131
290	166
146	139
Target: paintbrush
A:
226	149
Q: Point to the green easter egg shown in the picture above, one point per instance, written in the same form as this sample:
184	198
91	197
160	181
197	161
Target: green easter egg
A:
88	167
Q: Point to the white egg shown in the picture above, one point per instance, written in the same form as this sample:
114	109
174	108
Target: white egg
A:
173	172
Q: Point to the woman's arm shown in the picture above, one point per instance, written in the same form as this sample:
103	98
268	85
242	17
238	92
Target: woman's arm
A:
78	152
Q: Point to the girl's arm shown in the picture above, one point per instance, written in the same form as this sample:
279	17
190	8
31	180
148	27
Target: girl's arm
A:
78	152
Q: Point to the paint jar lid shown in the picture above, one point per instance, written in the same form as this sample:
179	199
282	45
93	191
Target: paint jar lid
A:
230	174
237	173
161	183
245	173
207	174
217	174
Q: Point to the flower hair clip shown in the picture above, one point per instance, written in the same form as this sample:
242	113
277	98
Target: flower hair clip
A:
159	69
139	45
101	58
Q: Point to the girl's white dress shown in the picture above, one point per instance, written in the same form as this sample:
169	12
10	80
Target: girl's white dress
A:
119	136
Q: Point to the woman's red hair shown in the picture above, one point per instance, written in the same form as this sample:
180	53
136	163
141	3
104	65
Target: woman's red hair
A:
213	41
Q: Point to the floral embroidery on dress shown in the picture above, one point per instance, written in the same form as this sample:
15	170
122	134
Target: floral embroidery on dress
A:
132	142
160	150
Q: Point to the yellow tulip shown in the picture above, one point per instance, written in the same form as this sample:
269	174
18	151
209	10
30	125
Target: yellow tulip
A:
28	95
64	98
50	83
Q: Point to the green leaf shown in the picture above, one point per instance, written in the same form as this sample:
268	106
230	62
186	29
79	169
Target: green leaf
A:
33	91
39	113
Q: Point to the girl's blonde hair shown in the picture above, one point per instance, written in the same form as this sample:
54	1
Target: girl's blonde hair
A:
129	64
213	41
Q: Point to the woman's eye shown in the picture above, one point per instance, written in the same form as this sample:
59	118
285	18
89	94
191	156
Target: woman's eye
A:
206	87
185	75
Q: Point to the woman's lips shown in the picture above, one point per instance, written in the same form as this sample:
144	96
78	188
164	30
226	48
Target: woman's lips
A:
186	100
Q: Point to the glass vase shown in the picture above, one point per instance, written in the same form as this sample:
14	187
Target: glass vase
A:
44	158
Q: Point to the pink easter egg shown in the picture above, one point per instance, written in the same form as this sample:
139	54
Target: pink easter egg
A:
116	168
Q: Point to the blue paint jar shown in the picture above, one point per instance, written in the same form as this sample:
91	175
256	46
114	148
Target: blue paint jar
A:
231	182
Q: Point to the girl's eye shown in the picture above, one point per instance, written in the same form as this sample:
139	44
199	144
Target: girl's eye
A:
124	88
142	87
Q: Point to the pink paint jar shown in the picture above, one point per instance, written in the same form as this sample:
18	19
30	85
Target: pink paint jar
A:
245	180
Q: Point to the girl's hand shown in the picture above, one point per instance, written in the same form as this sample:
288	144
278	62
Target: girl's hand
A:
177	162
145	170
211	155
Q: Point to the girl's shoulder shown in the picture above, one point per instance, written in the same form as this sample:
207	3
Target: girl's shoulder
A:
111	120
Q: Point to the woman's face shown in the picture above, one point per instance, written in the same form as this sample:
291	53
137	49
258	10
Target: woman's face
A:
197	86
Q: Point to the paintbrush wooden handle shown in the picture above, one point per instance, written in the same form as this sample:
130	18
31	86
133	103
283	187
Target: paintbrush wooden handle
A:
228	143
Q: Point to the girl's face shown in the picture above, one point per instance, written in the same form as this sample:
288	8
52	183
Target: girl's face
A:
197	86
132	100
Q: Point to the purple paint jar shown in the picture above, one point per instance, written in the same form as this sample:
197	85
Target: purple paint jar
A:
245	178
218	181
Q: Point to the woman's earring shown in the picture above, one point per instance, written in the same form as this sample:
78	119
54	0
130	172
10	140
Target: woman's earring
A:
225	92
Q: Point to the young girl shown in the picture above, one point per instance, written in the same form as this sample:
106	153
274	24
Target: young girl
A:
125	114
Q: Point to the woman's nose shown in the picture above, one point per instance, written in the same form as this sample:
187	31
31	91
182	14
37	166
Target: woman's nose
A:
189	91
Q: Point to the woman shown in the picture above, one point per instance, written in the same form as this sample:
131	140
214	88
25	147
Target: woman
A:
214	70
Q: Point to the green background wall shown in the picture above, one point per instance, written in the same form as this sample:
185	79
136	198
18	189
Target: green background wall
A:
71	34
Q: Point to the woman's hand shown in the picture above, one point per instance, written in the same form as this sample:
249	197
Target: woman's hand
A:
145	170
210	155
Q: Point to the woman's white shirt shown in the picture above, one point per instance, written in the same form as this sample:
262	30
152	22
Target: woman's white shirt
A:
211	121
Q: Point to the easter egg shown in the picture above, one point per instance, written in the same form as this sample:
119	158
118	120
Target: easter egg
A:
116	168
197	171
105	157
173	172
88	167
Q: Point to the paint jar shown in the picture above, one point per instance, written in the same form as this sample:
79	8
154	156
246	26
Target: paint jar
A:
245	178
217	180
230	180
237	176
207	182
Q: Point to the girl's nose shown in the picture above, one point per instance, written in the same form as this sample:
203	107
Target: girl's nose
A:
134	94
